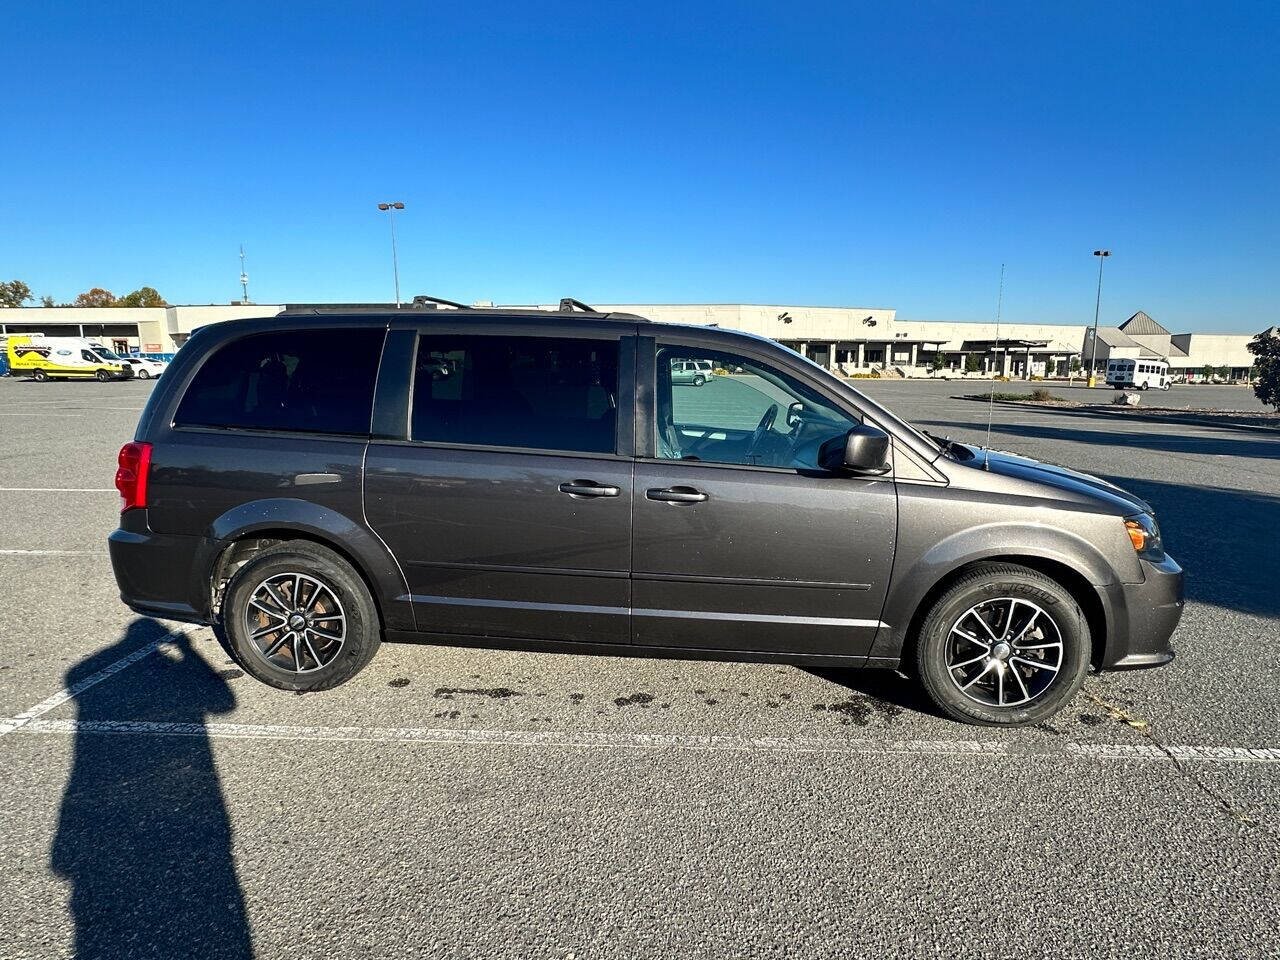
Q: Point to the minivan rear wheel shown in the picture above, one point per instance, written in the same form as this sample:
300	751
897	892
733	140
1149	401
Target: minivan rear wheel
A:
298	617
1003	646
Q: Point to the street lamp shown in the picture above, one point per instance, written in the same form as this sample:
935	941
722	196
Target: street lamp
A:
391	209
1097	306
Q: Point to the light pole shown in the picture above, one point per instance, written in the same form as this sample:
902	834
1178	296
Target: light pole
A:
1097	306
391	209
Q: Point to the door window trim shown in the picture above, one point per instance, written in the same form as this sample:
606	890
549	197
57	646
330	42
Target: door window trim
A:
647	409
393	405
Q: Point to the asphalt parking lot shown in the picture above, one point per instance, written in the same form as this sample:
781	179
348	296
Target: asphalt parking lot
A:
464	803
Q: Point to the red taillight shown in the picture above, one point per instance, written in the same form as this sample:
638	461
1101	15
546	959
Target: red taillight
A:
131	478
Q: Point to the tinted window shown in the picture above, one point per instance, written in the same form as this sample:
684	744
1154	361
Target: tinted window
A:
739	410
536	392
314	381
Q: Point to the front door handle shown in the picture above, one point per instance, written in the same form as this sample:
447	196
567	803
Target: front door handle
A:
675	495
588	488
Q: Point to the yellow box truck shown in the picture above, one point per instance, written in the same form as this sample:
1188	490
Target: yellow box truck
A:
72	358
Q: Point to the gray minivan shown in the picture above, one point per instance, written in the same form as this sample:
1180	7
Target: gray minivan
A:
313	484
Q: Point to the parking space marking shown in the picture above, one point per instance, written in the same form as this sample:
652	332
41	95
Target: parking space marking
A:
587	740
49	553
10	724
58	490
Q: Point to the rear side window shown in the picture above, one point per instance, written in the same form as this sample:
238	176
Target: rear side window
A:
311	381
536	392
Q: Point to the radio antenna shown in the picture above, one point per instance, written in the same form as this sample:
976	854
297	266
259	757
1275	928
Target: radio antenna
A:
991	400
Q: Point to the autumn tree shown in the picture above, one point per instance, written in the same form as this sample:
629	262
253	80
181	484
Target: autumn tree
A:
97	297
142	297
14	293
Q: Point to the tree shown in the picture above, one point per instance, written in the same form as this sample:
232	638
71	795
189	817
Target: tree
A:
1208	371
971	363
1266	347
14	293
938	362
142	297
47	301
97	297
1075	364
1224	373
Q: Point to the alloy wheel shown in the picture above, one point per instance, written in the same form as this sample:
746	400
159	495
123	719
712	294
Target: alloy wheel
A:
1004	652
295	622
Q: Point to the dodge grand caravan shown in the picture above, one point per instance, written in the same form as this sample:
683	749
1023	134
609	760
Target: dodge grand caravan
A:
313	484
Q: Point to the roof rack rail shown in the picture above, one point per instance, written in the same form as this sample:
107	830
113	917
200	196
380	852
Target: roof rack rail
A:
421	300
568	305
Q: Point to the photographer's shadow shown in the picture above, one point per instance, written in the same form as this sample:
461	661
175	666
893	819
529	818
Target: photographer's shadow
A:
143	835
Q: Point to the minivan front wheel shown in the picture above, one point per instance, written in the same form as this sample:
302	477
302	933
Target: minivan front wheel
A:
298	617
1004	646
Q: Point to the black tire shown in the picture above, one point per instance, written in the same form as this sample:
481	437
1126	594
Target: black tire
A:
40	376
144	374
699	380
362	628
991	584
102	376
1144	386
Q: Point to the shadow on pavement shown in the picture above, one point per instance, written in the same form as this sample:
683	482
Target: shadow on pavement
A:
1236	444
143	835
1225	539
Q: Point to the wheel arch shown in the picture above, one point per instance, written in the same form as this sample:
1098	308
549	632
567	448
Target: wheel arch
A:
250	528
1071	579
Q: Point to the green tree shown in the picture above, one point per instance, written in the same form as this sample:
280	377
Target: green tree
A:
971	364
1208	371
47	301
1266	369
142	297
1075	364
97	297
938	362
1224	373
14	293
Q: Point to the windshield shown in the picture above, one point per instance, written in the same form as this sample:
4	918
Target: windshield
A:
105	354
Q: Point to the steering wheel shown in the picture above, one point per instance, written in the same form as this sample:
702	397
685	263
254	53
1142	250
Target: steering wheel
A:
766	422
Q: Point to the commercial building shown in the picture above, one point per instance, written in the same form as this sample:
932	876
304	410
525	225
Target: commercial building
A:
847	340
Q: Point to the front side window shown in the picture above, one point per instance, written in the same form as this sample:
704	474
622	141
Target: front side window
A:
747	413
310	381
88	355
546	393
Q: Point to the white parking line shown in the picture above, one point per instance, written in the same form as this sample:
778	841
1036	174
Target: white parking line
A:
49	553
676	741
58	490
52	702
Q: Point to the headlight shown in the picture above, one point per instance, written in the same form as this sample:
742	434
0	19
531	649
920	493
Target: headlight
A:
1144	534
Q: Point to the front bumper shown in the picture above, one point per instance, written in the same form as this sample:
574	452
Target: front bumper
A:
1144	617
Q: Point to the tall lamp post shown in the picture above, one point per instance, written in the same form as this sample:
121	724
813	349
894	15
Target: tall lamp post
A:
391	209
1097	306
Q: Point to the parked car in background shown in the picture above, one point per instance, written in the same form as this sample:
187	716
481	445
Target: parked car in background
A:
694	372
312	485
58	358
144	368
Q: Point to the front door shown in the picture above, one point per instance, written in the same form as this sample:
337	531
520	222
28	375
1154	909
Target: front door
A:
508	505
741	542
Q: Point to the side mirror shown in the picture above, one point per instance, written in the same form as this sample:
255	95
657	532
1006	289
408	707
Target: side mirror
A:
794	412
863	450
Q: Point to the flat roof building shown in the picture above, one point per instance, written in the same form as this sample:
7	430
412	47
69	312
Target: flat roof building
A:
847	340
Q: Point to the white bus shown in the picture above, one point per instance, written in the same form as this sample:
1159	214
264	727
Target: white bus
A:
1138	374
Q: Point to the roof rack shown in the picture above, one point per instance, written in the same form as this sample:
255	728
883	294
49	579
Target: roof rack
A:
422	300
568	305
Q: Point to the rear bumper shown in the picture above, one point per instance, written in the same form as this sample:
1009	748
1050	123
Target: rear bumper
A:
155	571
1144	617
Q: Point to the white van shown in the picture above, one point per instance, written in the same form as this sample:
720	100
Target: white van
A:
1138	374
49	358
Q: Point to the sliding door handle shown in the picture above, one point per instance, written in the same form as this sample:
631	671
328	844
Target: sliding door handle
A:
675	495
588	488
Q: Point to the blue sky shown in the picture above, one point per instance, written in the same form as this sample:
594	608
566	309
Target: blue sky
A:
875	155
